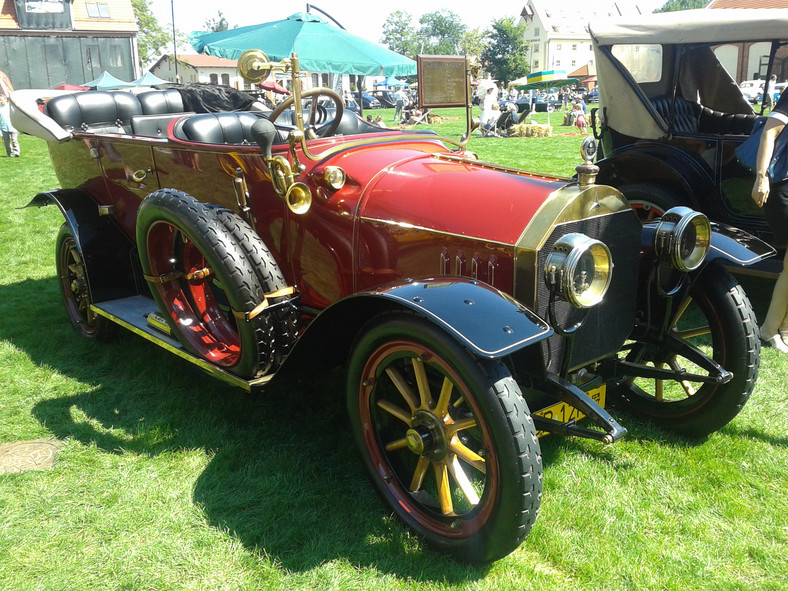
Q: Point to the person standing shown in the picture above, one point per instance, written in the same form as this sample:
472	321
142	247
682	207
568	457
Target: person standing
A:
401	100
10	135
773	198
770	88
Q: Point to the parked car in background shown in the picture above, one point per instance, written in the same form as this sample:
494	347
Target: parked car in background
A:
750	89
471	307
670	115
592	96
367	100
386	98
779	88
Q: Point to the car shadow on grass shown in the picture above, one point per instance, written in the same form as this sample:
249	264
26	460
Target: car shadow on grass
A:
284	476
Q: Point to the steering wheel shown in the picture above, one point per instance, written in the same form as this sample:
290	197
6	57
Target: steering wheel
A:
317	113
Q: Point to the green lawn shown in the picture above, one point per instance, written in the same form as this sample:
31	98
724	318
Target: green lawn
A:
167	479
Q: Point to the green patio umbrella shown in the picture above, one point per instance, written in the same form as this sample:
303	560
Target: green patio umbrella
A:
320	46
543	80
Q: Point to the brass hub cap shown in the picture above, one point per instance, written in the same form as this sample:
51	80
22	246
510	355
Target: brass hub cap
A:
427	436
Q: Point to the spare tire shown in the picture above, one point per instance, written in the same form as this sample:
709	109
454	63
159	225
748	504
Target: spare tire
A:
201	276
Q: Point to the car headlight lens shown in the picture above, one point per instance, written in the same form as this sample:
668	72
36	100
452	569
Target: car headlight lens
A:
684	237
580	269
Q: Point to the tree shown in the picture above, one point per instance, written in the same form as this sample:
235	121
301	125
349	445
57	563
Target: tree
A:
219	23
472	42
151	38
399	34
675	5
441	33
505	50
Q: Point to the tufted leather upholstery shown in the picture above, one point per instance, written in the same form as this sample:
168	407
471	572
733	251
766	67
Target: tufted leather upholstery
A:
231	127
718	122
94	111
686	113
160	102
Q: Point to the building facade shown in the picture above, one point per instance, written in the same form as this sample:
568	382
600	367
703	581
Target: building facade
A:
45	43
557	31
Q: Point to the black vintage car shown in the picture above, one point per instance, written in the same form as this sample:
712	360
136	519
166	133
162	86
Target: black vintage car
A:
670	115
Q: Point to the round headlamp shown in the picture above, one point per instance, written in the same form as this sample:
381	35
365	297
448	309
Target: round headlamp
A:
580	269
683	236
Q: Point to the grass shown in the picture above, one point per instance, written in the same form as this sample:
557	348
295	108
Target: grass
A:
168	480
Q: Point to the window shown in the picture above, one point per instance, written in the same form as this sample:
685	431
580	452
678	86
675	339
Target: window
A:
536	31
574	63
557	63
226	79
214	79
574	46
644	62
536	48
97	9
536	64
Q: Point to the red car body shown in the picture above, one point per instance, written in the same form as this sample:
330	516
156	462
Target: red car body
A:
474	305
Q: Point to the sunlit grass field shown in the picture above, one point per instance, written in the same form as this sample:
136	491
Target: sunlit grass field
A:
166	479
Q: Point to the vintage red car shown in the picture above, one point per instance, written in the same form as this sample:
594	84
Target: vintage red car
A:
474	306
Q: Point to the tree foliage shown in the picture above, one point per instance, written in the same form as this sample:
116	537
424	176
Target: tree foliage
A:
472	42
399	34
675	5
152	38
505	49
217	23
441	33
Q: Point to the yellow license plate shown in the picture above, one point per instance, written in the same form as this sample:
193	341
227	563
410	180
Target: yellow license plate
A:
563	412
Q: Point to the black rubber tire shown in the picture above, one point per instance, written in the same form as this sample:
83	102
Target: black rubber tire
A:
175	231
734	338
75	290
285	319
499	428
649	201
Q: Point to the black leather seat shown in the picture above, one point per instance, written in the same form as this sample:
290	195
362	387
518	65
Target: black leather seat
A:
94	111
231	127
160	102
685	117
718	122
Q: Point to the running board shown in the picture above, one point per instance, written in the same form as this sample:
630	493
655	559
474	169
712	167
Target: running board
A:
132	314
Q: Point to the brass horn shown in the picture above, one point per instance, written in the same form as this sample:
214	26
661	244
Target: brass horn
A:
299	198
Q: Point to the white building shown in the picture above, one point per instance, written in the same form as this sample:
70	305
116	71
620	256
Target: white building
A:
207	69
557	30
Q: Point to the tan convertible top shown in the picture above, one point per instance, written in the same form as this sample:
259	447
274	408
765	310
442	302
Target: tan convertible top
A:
693	26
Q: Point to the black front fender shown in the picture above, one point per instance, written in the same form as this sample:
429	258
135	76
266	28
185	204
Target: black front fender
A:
486	321
730	246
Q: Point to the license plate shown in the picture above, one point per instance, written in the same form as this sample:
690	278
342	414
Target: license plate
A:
563	412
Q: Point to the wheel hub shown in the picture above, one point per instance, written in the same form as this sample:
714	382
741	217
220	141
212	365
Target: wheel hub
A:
427	437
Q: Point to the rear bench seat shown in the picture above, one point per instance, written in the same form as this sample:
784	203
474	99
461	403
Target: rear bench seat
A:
94	111
147	114
690	118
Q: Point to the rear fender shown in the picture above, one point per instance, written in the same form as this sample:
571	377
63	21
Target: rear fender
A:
484	320
111	261
656	164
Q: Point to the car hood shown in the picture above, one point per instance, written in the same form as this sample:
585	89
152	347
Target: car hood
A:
444	193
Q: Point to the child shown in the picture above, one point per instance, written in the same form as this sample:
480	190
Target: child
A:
580	119
9	133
